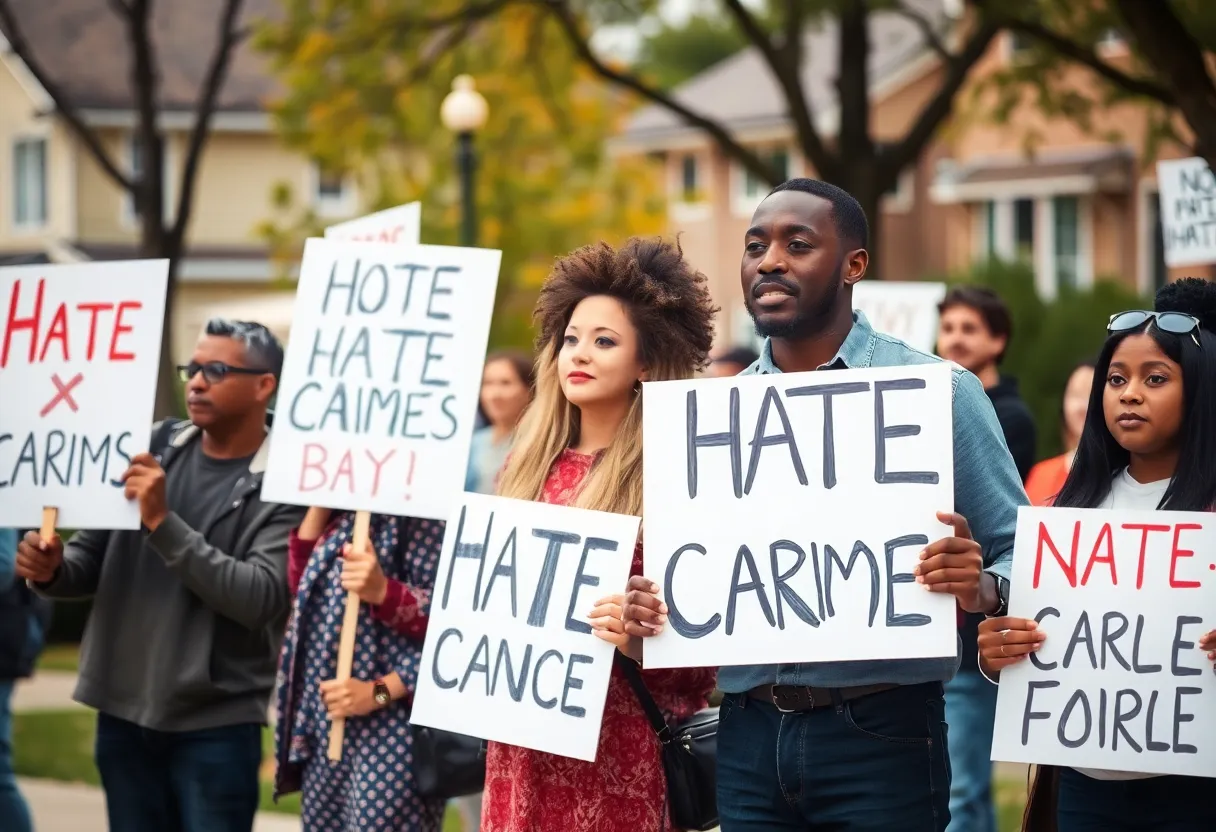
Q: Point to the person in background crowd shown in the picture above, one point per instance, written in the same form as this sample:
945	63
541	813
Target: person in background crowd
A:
974	329
1047	478
188	612
607	320
506	389
372	786
732	362
1148	443
857	745
23	622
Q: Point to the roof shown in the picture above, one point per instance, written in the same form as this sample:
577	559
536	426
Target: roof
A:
741	93
78	43
1103	167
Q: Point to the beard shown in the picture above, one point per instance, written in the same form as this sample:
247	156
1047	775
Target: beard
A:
807	321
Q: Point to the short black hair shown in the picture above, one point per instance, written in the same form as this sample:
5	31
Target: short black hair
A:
262	349
988	304
851	221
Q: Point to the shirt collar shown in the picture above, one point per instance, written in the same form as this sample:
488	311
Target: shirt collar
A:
856	351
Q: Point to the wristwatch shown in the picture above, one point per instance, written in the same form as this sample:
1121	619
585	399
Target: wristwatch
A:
381	693
1002	594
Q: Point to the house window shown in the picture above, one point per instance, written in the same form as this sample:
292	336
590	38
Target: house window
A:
333	193
1023	229
756	188
1066	214
29	183
986	226
688	178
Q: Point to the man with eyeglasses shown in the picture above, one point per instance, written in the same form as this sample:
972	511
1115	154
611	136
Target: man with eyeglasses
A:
180	652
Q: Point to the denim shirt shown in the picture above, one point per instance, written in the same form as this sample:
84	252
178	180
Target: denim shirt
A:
987	491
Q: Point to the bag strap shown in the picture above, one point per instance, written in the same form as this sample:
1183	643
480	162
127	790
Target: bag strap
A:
633	675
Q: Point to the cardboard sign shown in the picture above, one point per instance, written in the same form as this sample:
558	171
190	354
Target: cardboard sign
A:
509	655
785	513
79	355
381	378
1187	191
401	225
1120	683
903	310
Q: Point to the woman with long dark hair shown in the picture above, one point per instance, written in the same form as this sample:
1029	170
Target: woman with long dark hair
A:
1149	443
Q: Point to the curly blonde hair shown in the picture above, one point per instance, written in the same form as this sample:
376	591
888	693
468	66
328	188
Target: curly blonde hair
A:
669	304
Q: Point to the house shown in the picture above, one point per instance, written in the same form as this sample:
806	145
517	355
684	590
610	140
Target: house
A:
1078	208
57	204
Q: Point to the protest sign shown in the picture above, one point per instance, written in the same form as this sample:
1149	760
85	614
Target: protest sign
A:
401	225
1187	191
381	378
509	655
785	513
79	354
904	310
1120	683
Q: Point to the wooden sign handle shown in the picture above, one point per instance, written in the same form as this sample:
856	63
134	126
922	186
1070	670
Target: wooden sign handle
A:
50	519
346	641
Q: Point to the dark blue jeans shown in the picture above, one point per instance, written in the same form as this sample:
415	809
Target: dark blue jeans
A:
874	764
189	781
1159	804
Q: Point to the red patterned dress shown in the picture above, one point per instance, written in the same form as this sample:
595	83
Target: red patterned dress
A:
624	789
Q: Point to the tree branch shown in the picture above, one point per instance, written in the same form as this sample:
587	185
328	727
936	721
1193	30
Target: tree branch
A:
569	25
464	14
1079	53
900	155
932	37
786	66
149	190
65	108
229	36
1164	41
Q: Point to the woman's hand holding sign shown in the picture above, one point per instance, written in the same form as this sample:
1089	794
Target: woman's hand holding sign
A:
1208	643
955	565
607	623
362	575
1006	640
643	614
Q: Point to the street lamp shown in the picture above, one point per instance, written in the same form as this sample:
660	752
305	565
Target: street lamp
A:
464	112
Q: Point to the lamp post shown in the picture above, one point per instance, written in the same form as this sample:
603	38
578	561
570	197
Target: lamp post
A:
464	112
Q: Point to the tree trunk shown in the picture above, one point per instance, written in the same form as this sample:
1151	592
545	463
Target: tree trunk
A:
157	242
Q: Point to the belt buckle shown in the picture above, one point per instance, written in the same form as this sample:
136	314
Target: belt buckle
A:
778	699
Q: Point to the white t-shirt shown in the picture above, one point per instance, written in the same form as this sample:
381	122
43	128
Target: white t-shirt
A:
1127	494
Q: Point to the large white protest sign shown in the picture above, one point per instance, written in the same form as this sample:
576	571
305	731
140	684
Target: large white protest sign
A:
905	310
1188	211
380	383
401	225
79	353
785	513
1120	682
509	653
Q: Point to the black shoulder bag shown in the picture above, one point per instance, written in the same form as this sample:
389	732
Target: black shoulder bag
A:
690	751
447	765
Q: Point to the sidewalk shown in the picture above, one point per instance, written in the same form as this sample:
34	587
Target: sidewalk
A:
68	807
49	690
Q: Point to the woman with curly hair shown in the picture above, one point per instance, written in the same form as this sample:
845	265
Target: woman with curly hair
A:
608	320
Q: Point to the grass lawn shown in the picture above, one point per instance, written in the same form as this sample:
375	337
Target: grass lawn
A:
58	745
60	657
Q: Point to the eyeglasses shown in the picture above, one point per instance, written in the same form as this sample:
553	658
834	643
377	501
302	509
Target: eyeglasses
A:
1175	323
215	371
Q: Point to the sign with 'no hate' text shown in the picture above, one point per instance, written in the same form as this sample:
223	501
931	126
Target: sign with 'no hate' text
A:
401	225
509	654
79	353
381	378
906	310
1120	682
1187	191
785	513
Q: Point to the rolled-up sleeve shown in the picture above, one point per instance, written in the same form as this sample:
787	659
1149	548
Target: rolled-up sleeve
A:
987	487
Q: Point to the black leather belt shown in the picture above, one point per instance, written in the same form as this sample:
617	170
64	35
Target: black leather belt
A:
794	698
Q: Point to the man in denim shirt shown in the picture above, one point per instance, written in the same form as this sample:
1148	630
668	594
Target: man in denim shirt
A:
857	745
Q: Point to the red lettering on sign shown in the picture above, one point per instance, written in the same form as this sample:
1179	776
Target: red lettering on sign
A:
15	324
1176	553
120	328
1069	567
1108	559
1145	529
57	332
94	308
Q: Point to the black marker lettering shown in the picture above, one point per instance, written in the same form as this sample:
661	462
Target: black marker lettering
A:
829	432
1035	660
678	622
1027	713
445	684
761	440
573	683
714	440
581	579
547	704
882	433
782	590
744	555
910	619
540	601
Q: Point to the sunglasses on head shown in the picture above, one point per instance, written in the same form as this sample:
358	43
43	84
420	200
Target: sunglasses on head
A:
1175	323
215	371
